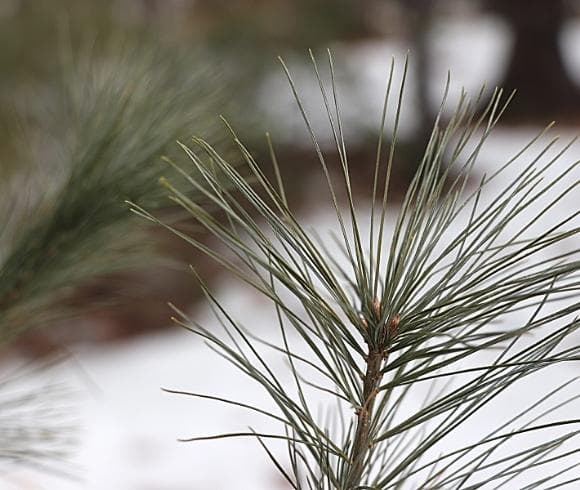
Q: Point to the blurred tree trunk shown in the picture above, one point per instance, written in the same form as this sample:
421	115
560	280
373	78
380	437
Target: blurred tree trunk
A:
419	15
536	68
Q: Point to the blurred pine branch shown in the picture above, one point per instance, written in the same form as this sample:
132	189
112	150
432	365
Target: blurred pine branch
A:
123	111
64	221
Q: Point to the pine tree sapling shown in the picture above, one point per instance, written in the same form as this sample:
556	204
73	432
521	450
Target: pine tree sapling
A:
419	301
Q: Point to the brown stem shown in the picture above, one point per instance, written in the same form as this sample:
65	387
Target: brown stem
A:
362	440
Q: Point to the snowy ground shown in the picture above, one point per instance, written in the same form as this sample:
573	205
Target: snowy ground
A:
131	426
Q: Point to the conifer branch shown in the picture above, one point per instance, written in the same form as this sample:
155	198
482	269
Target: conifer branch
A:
404	305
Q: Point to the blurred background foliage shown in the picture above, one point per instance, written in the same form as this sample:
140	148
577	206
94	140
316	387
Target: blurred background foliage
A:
92	93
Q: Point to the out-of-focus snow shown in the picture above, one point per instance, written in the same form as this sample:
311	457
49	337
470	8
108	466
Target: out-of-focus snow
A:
131	426
569	42
472	53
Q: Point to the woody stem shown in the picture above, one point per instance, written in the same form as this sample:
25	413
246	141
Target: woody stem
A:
362	440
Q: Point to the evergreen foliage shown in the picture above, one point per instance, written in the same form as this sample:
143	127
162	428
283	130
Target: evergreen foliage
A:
424	300
38	426
64	220
122	111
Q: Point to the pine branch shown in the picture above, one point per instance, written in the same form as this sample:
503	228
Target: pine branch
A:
414	304
122	110
37	427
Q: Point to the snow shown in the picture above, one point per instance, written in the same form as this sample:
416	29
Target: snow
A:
131	425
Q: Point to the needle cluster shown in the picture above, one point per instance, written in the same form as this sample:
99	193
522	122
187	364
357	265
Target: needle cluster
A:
459	289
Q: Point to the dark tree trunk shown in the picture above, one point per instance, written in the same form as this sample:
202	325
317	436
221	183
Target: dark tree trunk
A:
419	15
536	68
